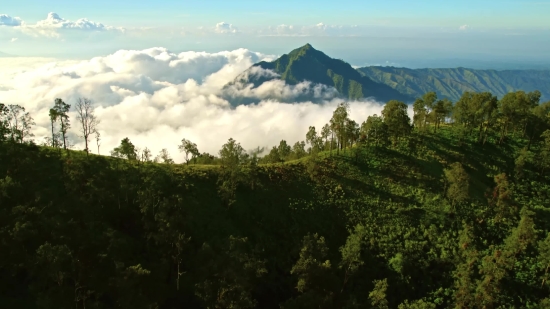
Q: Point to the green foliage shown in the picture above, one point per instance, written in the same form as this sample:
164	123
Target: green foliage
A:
452	83
189	148
125	150
240	231
457	183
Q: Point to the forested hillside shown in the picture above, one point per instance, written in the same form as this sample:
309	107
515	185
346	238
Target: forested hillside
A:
451	83
450	209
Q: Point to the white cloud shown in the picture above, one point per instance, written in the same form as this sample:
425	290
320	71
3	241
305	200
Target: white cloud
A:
464	27
53	24
156	98
6	20
224	27
13	40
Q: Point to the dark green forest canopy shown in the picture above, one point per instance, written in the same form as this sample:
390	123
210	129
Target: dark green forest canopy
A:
449	209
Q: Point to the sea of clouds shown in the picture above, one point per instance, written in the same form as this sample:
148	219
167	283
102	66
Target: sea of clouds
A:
156	97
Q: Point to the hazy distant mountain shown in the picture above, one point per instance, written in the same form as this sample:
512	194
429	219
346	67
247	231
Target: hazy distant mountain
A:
306	64
451	83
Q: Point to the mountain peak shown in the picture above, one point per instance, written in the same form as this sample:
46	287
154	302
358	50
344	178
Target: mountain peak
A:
308	64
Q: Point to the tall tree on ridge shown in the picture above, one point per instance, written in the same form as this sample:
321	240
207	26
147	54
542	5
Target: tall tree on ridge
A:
87	119
189	148
62	113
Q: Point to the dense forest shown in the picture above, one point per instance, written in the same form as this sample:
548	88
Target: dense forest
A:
449	209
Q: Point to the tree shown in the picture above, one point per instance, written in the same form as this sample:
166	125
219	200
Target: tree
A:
164	157
53	119
338	123
396	118
420	113
189	148
4	125
458	183
87	119
441	111
97	140
125	150
544	161
19	123
502	200
313	139
299	150
273	156
284	150
374	130
232	154
61	113
14	121
146	155
539	121
378	295
325	133
316	282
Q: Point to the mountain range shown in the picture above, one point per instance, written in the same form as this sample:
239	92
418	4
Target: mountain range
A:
306	64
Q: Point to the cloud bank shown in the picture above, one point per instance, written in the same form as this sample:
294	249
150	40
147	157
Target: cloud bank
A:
156	98
54	24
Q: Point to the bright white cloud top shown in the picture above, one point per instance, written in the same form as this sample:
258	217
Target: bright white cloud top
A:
156	98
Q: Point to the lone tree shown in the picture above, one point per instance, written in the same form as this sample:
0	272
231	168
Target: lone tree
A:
61	112
125	150
189	148
87	119
338	123
164	157
232	154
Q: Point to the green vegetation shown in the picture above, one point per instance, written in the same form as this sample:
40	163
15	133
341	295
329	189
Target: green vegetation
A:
451	83
308	64
448	210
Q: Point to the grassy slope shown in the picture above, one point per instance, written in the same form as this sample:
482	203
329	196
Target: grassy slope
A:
396	194
451	83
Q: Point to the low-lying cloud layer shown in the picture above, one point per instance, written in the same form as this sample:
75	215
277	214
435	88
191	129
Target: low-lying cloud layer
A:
156	98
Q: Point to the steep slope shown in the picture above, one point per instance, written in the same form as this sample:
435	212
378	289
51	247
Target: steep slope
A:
308	64
451	83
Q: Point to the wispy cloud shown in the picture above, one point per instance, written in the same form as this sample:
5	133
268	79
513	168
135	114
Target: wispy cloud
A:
13	40
464	27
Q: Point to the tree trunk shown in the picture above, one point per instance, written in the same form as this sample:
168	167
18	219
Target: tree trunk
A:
53	136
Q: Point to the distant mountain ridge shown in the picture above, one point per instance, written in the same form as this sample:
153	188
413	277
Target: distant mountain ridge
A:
326	77
306	64
452	83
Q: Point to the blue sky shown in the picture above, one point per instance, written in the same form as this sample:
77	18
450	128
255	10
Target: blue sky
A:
361	32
